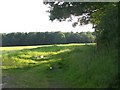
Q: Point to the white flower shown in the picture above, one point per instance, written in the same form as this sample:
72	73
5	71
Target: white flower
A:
51	68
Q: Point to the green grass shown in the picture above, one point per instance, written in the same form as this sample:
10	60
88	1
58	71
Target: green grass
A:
74	66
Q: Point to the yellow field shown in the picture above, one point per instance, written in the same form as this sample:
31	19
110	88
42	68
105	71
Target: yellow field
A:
28	47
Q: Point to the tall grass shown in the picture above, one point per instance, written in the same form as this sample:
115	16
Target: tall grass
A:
92	70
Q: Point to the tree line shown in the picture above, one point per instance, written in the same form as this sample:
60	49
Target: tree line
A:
41	38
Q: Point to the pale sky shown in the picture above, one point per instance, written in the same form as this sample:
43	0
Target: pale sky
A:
31	16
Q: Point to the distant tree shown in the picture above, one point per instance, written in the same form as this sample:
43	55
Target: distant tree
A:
59	38
39	38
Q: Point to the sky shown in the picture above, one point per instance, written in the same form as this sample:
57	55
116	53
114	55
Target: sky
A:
31	16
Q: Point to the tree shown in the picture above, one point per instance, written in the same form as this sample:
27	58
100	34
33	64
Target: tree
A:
59	38
40	38
103	16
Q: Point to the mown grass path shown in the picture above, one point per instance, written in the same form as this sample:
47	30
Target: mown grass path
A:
32	78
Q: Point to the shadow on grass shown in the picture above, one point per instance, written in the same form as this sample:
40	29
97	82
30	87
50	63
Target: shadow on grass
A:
55	58
56	61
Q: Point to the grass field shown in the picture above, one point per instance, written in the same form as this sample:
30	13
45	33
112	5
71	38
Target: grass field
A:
59	66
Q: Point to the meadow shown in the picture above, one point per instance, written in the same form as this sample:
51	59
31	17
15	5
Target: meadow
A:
59	66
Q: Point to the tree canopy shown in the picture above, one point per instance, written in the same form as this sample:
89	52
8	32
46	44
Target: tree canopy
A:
103	16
